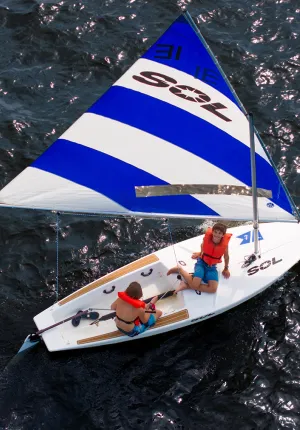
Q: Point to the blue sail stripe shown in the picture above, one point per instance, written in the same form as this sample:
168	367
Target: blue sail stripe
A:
113	178
140	116
180	48
191	133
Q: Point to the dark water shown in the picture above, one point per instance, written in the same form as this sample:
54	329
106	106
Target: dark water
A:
237	371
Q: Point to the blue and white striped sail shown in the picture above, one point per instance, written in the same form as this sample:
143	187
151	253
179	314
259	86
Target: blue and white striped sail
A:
171	119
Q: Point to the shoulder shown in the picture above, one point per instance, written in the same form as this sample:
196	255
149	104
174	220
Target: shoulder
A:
115	304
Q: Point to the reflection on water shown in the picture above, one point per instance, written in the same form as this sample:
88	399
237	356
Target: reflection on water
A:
238	370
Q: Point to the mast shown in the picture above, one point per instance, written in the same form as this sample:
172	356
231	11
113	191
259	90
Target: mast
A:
254	187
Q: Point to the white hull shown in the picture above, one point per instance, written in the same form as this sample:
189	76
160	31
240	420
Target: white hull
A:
279	252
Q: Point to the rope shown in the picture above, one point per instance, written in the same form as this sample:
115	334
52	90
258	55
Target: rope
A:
172	242
57	243
103	216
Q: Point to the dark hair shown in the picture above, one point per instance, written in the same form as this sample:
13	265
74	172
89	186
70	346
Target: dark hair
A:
220	226
134	290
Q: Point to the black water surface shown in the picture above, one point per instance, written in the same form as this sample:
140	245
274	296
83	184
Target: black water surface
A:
239	370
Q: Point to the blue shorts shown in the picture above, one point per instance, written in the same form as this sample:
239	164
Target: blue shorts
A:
138	329
205	272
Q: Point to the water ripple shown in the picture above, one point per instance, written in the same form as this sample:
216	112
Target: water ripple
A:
238	370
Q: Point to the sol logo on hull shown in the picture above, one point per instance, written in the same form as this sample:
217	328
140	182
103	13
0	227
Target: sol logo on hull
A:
263	266
182	91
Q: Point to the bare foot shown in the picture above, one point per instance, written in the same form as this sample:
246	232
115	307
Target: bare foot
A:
182	286
173	270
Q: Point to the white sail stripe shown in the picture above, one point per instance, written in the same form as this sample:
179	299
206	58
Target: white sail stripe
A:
241	207
238	128
35	188
77	198
145	151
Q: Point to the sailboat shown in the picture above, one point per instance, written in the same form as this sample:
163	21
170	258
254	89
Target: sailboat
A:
170	139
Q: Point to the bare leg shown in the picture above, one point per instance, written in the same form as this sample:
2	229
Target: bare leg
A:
189	279
211	287
193	282
182	286
173	270
158	314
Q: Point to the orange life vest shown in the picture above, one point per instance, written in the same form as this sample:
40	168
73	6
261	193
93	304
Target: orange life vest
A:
212	252
133	302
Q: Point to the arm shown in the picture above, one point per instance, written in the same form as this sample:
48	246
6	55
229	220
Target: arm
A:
196	255
114	305
226	272
143	316
226	258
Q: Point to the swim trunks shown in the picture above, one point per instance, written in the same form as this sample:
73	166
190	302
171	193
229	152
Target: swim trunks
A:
205	272
138	329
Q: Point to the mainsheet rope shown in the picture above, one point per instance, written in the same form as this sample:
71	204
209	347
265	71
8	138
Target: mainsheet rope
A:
172	242
173	247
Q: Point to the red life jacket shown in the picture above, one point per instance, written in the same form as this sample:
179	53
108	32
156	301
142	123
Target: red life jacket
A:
133	302
212	252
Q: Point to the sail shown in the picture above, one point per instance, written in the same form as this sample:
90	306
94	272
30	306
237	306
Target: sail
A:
169	138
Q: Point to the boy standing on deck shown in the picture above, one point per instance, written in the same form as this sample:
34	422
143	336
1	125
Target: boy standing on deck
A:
213	247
